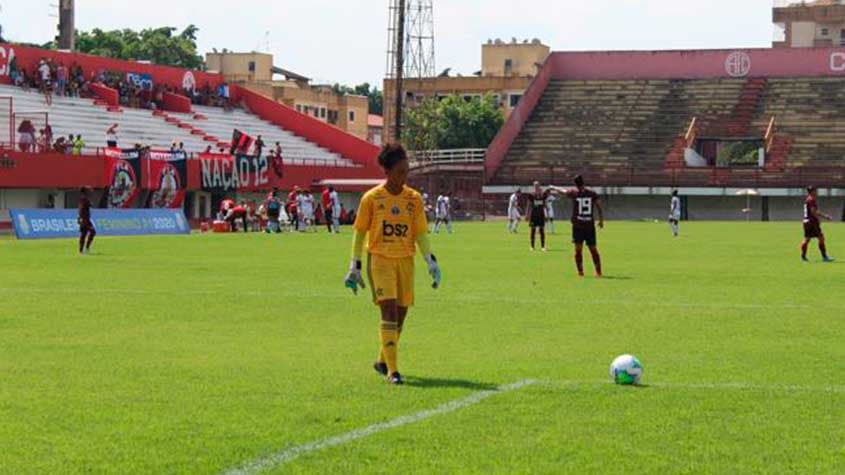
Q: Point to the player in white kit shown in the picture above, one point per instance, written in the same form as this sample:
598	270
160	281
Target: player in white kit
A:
335	204
306	211
513	211
675	214
550	213
443	213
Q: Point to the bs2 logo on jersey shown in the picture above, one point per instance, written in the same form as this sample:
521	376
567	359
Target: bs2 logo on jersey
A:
394	230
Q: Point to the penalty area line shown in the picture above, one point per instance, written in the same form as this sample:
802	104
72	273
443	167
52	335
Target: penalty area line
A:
286	455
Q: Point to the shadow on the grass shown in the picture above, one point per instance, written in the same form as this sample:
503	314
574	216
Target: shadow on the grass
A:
617	277
448	383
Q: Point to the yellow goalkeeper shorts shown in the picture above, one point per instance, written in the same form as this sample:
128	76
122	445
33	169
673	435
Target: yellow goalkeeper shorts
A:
391	279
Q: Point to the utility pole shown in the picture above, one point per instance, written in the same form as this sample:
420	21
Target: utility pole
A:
67	26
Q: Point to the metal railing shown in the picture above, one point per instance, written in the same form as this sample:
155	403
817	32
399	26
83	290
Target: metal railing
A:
99	152
769	138
819	173
454	156
692	132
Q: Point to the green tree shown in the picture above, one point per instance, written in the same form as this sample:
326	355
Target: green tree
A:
453	122
374	96
161	45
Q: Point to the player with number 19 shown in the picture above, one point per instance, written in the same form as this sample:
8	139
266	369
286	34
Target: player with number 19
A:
586	207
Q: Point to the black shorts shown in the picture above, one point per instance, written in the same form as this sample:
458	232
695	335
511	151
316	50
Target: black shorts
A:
813	231
581	235
538	221
86	227
329	215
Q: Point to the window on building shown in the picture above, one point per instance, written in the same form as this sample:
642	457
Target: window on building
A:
514	99
252	66
351	116
323	112
299	108
508	67
467	98
497	100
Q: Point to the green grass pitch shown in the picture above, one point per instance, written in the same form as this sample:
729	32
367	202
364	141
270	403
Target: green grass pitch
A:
202	353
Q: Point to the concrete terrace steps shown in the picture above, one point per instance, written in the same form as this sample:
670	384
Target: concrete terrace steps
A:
82	116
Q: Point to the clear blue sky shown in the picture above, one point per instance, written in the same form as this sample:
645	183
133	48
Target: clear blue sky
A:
345	40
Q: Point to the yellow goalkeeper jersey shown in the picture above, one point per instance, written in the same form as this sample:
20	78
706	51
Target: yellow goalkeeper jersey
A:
392	222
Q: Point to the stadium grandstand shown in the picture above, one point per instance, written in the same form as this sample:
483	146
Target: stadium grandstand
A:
166	114
713	123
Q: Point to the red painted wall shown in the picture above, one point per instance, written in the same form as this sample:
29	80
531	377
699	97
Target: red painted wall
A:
52	171
699	64
106	93
328	136
28	58
176	103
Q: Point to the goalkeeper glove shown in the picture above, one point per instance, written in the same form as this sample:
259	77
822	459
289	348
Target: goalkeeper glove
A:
434	270
353	278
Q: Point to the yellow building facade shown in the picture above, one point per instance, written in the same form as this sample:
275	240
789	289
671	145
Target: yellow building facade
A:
506	72
256	72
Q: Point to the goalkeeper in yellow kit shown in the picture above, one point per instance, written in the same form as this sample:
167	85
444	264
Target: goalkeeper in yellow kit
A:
391	218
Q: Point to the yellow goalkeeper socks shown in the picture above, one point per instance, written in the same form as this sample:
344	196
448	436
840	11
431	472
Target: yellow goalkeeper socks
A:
389	334
381	358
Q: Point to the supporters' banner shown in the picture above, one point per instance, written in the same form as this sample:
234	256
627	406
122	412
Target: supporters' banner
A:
144	81
242	172
123	174
241	143
166	174
61	223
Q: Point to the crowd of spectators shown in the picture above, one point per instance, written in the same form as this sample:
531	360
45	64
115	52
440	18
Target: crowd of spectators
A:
51	78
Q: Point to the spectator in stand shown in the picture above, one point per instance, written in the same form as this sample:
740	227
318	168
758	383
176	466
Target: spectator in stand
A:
78	145
223	92
69	144
62	80
181	149
111	136
259	146
26	139
42	145
48	134
45	84
173	147
208	149
277	150
60	146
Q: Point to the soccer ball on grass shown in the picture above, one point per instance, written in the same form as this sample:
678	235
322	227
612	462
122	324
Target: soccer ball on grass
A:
626	370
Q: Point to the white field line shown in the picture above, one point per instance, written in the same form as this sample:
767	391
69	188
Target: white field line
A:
458	298
286	455
737	386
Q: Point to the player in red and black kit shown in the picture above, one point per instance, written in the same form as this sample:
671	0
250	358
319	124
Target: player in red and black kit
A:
535	214
585	207
813	226
86	226
239	212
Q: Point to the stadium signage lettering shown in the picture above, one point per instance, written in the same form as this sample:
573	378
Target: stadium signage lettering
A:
229	173
837	62
738	64
61	223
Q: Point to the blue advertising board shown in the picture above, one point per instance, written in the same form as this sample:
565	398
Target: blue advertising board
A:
61	223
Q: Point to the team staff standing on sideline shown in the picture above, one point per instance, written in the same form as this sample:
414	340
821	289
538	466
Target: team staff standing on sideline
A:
392	219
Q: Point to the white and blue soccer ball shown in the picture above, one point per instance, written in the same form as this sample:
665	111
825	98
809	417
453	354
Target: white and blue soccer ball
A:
626	370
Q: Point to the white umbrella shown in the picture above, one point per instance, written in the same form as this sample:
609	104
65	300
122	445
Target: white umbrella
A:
747	193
